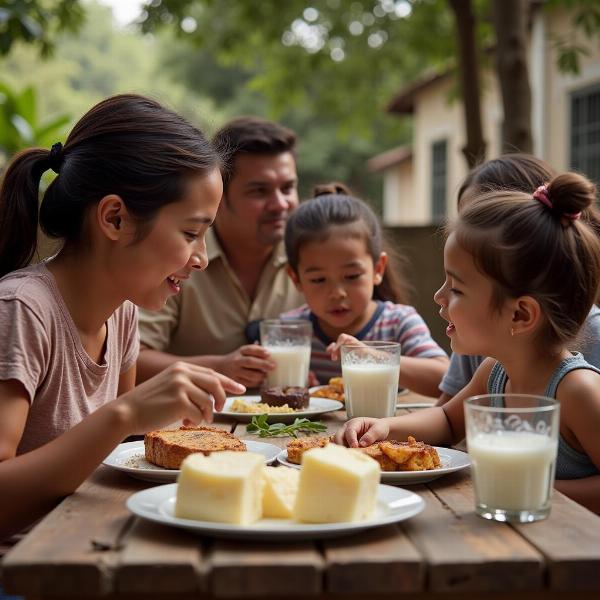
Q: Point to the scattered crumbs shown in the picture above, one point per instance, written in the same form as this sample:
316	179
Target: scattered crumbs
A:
138	461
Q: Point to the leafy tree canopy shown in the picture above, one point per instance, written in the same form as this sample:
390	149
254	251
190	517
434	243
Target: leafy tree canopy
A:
37	22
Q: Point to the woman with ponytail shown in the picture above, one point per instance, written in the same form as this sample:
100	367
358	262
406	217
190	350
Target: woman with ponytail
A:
136	188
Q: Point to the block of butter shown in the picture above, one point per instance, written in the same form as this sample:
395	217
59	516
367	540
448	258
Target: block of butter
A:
224	486
279	494
336	484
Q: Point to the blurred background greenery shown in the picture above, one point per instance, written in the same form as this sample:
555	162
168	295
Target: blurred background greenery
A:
45	87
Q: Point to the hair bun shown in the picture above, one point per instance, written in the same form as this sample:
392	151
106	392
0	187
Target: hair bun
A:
571	193
335	187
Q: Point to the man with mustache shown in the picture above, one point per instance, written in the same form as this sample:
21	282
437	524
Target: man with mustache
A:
246	277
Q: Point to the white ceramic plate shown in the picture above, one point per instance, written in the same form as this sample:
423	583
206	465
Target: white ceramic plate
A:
129	458
316	407
452	460
401	392
158	503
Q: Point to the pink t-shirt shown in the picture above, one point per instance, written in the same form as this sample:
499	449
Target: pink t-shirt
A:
40	347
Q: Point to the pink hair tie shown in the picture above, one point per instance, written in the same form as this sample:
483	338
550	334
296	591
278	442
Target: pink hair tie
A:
541	194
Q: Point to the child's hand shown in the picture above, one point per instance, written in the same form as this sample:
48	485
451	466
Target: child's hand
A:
362	431
182	391
248	365
334	347
312	379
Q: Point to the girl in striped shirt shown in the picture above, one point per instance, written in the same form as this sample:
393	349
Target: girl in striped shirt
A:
334	247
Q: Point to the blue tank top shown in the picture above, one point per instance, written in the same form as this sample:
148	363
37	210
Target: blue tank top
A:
570	464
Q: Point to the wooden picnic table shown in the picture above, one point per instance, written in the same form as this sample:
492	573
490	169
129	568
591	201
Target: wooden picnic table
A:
90	546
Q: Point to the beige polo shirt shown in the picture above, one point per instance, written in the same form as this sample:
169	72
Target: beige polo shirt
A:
210	313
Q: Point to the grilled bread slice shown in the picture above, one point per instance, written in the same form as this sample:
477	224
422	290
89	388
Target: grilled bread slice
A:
168	447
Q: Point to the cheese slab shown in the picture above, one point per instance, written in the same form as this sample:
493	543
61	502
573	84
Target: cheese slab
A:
336	484
279	494
224	486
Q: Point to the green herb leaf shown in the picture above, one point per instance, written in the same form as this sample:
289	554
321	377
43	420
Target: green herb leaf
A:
260	426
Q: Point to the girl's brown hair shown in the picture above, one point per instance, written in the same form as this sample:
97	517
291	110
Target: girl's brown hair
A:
530	249
333	204
520	172
126	145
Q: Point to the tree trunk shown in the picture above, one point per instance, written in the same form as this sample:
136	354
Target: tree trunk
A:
474	149
510	19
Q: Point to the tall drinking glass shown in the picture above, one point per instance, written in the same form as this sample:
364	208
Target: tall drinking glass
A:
370	372
289	343
512	440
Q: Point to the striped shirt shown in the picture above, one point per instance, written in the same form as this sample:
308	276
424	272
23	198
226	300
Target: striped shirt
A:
390	322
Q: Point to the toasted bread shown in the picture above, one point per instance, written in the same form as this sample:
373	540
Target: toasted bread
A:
168	447
296	448
411	455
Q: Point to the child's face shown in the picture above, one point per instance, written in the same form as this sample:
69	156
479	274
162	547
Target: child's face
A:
465	300
175	244
337	278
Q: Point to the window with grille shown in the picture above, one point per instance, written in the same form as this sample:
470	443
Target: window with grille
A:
585	132
439	176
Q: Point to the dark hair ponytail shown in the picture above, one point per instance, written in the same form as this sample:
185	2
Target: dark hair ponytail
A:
19	209
542	244
518	172
126	145
333	204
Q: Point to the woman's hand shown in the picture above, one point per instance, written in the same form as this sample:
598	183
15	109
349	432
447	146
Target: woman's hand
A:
182	391
248	364
362	431
343	339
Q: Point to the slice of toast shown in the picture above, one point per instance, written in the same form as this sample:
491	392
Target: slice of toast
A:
168	447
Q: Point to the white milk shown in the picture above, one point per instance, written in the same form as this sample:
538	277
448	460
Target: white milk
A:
512	470
292	365
370	389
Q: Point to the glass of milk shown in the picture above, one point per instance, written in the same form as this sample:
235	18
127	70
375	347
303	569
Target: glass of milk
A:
289	344
512	440
370	372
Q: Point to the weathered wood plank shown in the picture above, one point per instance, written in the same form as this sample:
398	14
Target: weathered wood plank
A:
159	558
74	549
570	540
243	569
378	561
465	552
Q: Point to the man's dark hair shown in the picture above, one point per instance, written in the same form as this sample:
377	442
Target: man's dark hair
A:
251	135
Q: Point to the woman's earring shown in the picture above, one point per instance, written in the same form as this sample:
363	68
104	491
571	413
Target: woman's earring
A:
512	332
377	278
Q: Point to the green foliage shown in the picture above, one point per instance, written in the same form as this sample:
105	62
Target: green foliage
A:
260	427
37	22
585	17
20	125
345	60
